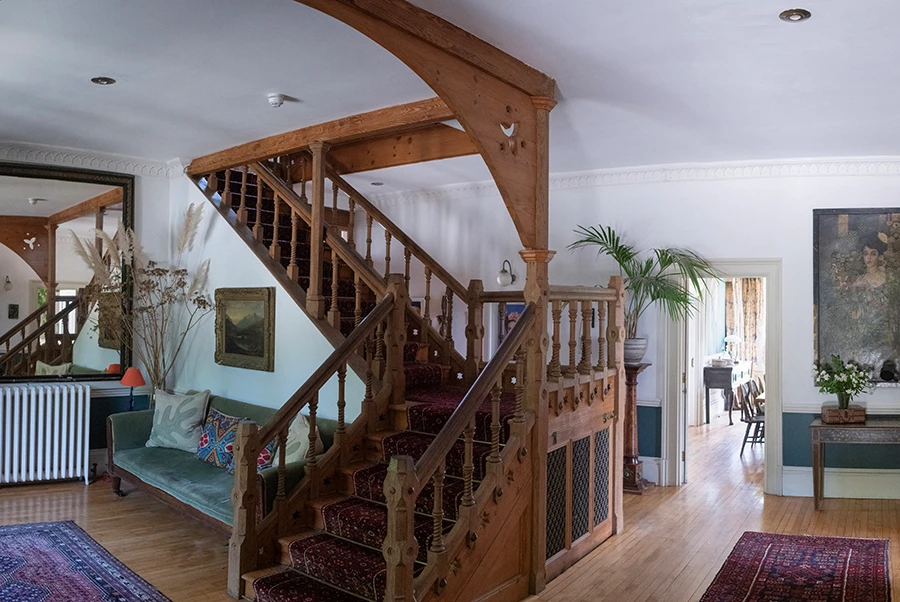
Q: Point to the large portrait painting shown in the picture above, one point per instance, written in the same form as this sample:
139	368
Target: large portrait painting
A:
857	287
245	328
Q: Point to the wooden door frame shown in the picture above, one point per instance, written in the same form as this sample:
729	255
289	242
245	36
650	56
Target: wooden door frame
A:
673	356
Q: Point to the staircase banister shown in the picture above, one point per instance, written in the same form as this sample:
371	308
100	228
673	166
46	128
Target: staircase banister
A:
335	241
21	324
582	293
41	331
283	417
502	297
418	252
465	411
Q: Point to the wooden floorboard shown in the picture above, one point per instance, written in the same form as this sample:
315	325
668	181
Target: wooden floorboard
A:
675	541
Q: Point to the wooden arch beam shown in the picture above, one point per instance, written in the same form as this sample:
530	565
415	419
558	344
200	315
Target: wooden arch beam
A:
485	88
16	230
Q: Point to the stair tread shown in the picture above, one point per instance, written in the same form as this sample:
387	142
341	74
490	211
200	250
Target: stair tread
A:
368	483
428	410
290	585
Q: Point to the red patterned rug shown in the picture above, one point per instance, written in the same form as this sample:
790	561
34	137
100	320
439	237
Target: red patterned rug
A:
50	562
765	567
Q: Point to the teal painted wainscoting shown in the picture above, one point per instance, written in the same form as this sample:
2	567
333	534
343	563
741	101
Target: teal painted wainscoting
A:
649	426
798	448
102	407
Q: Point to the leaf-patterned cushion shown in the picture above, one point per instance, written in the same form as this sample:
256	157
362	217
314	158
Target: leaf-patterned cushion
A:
178	420
216	444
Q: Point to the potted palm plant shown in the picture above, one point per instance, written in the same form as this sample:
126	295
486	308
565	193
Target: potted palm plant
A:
671	276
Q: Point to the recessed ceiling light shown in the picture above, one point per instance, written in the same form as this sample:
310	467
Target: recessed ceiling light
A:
103	81
377	183
795	15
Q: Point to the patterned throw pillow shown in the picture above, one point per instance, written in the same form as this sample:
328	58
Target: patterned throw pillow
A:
178	420
216	443
265	460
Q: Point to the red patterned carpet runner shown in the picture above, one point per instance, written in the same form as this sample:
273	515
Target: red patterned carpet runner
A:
798	568
50	562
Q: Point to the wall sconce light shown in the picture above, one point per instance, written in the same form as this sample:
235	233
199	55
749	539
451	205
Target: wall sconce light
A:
506	277
7	286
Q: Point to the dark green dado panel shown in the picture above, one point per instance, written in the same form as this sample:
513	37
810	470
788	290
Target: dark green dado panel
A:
798	451
102	407
649	426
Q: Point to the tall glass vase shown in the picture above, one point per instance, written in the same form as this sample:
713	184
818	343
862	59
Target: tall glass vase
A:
843	400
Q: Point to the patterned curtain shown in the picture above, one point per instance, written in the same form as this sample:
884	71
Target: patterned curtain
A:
745	316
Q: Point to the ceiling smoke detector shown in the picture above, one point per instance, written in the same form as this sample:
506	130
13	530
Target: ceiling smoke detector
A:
103	81
35	200
276	100
795	15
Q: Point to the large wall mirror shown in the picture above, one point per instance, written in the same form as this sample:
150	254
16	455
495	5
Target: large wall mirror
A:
48	328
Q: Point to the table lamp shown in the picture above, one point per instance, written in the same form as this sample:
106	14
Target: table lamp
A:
730	340
132	378
114	369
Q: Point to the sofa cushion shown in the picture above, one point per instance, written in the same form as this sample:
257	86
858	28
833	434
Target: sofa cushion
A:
183	476
178	420
216	444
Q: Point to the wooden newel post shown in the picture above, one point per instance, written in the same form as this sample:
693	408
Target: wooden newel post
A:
474	332
615	338
242	547
400	549
395	337
315	299
537	291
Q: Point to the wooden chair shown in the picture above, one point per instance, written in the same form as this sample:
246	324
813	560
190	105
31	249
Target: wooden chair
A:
752	417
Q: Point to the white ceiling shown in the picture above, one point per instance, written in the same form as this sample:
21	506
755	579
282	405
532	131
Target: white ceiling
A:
15	192
639	82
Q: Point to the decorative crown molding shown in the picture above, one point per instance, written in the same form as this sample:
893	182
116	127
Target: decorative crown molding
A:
73	157
656	174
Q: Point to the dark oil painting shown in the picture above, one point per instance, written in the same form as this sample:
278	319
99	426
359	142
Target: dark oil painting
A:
857	287
245	328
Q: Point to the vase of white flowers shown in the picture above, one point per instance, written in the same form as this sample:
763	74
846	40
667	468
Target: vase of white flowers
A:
846	380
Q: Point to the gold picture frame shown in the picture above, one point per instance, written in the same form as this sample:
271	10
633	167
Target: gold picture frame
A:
245	328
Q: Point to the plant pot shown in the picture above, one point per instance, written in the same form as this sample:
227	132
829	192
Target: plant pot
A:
635	350
843	400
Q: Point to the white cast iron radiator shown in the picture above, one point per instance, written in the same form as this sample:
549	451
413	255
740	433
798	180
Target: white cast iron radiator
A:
44	432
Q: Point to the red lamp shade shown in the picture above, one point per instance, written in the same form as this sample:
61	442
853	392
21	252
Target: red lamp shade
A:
114	369
133	378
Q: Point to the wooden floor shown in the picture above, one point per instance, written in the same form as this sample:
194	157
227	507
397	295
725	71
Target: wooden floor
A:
675	540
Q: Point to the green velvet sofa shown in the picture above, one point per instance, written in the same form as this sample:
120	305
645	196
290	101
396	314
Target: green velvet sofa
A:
181	479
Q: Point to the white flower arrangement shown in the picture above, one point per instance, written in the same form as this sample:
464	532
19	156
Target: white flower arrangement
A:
845	379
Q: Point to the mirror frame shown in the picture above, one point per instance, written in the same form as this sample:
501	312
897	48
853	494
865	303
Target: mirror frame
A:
73	174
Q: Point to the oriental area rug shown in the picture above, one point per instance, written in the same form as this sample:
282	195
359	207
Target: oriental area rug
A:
58	562
782	568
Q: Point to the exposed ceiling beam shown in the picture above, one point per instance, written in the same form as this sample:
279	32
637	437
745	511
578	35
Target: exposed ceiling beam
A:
427	144
111	197
365	125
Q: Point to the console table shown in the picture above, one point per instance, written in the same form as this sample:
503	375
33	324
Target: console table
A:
725	378
875	430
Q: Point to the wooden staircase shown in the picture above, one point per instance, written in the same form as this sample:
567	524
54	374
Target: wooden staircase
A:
41	336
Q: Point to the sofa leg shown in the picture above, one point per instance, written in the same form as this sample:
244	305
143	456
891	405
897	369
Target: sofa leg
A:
117	486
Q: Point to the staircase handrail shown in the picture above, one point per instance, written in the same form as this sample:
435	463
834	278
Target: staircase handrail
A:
42	330
23	323
283	417
333	238
418	252
465	411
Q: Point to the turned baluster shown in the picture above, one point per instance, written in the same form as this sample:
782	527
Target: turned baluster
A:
275	247
437	515
501	314
427	316
387	254
334	202
519	413
601	337
303	180
312	462
379	349
257	220
351	222
357	312
368	402
468	496
407	255
494	458
584	366
212	183
281	494
341	429
573	338
369	239
334	314
242	209
293	269
555	372
226	194
448	319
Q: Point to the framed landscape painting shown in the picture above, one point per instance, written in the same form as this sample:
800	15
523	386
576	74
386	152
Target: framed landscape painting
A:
856	282
245	328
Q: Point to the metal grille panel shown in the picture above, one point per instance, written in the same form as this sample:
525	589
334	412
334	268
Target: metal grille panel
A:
581	486
556	501
601	476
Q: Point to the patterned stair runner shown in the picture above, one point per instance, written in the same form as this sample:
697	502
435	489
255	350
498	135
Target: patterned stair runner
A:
343	561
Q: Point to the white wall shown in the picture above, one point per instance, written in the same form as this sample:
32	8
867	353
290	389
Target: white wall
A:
759	217
299	347
20	275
